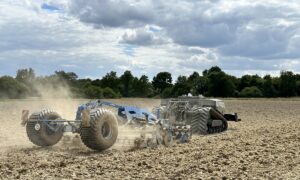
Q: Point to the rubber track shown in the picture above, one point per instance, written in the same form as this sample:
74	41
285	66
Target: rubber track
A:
217	115
199	121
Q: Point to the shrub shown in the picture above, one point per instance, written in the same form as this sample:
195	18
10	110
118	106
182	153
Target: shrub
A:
109	93
167	92
93	92
11	88
252	91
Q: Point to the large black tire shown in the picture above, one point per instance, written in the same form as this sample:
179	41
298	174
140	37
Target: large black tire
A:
194	122
199	119
44	136
103	130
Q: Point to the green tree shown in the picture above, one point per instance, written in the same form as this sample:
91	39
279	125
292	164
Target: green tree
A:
92	92
82	82
26	76
298	88
193	77
214	82
66	77
112	81
109	93
245	82
276	84
268	87
297	76
96	82
11	88
250	80
288	84
126	81
211	70
182	86
142	87
200	86
257	81
162	81
220	85
167	92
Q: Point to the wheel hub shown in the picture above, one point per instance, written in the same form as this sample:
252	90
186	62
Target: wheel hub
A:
37	127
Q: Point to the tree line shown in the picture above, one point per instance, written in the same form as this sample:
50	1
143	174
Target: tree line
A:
213	82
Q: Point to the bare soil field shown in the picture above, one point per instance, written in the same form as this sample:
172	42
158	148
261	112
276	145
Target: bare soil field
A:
264	145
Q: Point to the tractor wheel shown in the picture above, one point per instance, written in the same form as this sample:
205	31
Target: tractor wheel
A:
102	132
199	120
44	133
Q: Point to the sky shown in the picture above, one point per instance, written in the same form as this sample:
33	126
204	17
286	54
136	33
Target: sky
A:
94	37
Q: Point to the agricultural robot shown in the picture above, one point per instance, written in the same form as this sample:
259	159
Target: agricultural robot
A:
98	122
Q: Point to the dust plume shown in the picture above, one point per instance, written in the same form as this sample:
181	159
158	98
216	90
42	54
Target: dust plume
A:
53	90
126	137
57	95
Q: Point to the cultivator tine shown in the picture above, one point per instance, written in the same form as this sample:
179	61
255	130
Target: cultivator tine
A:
85	118
138	143
24	117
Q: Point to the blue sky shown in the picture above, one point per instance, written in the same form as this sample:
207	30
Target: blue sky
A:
49	7
94	37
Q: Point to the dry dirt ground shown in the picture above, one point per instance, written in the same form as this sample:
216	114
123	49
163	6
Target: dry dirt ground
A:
264	145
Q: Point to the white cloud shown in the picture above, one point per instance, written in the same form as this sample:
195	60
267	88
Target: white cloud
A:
147	35
111	13
201	61
180	36
69	65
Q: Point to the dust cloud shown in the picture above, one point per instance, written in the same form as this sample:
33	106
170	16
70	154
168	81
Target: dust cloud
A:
57	97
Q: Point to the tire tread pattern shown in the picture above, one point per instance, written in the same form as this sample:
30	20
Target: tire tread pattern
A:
35	136
89	134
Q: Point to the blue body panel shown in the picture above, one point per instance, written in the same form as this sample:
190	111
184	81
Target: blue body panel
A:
130	113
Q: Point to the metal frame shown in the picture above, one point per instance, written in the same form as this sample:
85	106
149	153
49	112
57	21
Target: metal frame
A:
130	114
